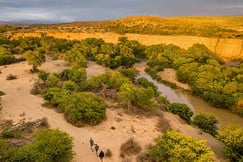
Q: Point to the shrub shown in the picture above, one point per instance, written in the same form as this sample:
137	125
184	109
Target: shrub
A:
173	146
182	110
143	157
108	153
83	107
70	86
232	137
2	93
163	124
130	147
145	83
55	96
6	150
8	133
48	145
43	75
207	123
129	96
11	77
5	56
38	88
34	58
52	81
131	73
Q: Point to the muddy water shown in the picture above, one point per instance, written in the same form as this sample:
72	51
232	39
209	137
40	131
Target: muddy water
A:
196	104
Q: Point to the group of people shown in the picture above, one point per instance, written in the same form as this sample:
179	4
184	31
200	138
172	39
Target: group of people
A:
95	147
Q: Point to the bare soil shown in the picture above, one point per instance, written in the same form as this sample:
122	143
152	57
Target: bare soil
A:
19	104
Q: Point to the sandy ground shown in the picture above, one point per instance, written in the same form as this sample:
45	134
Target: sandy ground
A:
19	104
170	76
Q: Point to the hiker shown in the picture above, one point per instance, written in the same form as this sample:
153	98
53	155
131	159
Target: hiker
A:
101	155
91	142
96	149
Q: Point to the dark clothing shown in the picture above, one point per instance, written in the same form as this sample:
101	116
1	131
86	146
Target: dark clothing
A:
96	149
91	142
102	154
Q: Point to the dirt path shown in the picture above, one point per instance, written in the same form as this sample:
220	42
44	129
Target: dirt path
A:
19	104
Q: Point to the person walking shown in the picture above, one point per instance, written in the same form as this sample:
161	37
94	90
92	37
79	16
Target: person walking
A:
96	149
101	155
91	142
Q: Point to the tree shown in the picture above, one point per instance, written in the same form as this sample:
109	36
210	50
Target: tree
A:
232	137
130	96
207	123
126	95
49	145
130	73
174	147
83	108
5	56
76	58
34	58
77	74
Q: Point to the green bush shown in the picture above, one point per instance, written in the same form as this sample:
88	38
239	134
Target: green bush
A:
43	75
6	150
130	95
131	73
77	74
5	56
232	137
83	107
173	146
52	81
8	133
182	110
207	123
70	86
112	80
55	96
48	145
145	83
34	58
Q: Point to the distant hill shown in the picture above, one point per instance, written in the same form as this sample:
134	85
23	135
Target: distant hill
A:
220	27
222	35
3	23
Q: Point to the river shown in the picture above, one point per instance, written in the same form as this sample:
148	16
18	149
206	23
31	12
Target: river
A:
196	104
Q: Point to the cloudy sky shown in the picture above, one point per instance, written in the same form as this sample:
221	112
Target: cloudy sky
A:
74	10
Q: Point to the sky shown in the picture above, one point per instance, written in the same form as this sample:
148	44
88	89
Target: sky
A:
78	10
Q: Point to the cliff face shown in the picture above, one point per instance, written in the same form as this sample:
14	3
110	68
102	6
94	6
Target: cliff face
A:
227	49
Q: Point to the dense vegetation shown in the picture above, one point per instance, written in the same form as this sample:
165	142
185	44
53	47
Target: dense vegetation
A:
82	100
47	145
203	70
206	122
173	146
182	110
232	137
